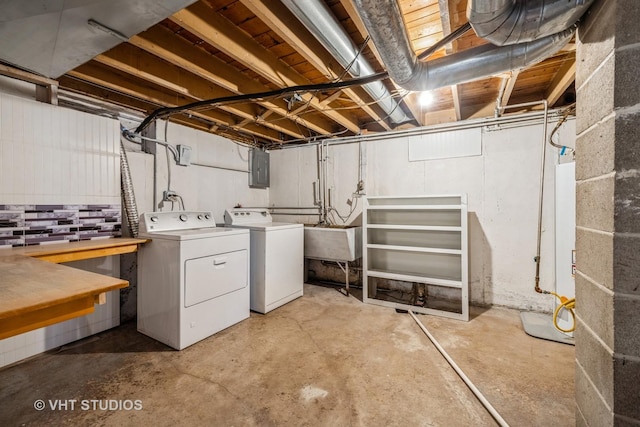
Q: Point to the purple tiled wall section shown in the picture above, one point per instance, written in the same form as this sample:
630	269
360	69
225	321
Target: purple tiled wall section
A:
25	225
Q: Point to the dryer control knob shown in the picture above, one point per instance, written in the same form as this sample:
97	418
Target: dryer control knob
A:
153	218
200	216
183	217
207	216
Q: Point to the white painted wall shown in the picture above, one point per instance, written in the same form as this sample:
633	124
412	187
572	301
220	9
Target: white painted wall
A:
217	178
53	155
502	186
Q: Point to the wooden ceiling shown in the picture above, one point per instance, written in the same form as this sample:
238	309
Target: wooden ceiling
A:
221	48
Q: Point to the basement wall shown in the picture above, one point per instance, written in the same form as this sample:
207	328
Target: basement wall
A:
55	156
217	178
502	185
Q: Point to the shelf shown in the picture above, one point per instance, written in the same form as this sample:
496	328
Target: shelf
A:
414	278
415	249
35	293
416	309
414	207
421	241
413	227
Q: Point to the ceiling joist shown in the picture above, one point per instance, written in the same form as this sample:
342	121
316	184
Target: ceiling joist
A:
164	44
232	49
278	17
108	77
215	30
141	64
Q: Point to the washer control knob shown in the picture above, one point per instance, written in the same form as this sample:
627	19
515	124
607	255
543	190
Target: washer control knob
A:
153	218
183	218
207	216
200	217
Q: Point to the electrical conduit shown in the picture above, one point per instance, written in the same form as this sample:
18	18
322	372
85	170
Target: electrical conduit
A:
496	416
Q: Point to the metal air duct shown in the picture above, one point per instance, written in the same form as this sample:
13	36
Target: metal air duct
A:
320	21
386	27
504	22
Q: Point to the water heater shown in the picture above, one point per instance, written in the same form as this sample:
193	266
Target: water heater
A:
565	237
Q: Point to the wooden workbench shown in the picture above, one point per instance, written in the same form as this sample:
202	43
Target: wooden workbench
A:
36	292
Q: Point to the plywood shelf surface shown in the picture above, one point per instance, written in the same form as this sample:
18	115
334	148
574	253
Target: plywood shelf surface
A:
37	292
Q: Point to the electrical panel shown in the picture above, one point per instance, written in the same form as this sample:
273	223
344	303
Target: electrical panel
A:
258	168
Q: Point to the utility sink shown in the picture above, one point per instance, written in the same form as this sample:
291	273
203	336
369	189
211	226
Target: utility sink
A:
333	243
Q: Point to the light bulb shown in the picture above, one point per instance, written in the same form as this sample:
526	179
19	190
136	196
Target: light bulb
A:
425	98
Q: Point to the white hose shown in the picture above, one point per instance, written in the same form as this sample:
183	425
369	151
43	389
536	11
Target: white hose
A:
496	416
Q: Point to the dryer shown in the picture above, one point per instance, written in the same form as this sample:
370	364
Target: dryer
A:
277	257
193	277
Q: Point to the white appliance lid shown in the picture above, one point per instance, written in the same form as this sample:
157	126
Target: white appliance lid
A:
270	226
255	219
194	233
243	216
155	222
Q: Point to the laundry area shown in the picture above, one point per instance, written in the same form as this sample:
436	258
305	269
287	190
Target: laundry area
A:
259	212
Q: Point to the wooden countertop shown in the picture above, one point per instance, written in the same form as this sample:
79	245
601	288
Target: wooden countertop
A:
75	251
36	292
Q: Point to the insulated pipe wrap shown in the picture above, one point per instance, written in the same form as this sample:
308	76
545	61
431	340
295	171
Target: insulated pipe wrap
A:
485	61
386	27
505	22
322	24
388	32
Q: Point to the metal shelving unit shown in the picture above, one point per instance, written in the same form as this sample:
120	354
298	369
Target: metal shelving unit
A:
415	242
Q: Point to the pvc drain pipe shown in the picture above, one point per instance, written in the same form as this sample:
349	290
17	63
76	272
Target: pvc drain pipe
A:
496	416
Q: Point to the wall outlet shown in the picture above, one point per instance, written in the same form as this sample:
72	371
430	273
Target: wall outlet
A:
169	196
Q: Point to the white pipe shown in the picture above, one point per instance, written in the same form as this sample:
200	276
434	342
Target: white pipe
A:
321	173
524	119
503	86
325	188
541	194
130	137
219	167
496	416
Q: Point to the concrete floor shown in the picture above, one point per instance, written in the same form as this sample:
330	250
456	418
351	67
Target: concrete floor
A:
322	360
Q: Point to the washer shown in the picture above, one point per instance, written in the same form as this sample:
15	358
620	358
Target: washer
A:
193	278
277	257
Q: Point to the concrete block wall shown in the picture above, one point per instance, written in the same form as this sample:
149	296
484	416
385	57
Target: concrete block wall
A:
608	216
